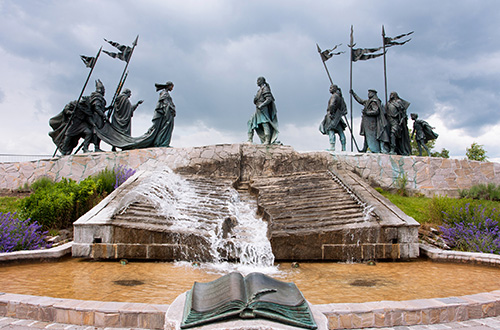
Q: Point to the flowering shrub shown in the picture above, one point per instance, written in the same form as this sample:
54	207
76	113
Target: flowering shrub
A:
475	230
122	174
16	235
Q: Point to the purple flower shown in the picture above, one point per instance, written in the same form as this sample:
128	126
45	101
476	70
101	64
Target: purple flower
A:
16	235
472	230
122	174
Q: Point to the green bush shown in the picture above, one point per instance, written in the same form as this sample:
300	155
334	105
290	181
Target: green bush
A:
56	205
41	183
50	205
488	191
108	179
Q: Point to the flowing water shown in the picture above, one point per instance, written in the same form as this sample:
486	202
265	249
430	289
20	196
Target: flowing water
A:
215	212
321	283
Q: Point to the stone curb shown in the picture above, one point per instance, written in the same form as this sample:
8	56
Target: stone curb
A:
37	255
436	254
421	311
339	316
80	312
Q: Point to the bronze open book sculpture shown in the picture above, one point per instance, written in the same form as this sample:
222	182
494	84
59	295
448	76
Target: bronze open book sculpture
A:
253	296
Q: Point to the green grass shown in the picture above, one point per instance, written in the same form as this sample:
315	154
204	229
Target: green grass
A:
415	207
9	204
430	210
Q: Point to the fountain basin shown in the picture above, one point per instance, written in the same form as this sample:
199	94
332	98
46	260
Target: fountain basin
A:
385	313
314	211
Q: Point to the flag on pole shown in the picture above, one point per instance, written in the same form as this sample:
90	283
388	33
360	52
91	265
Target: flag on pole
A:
328	53
392	41
124	54
363	54
89	61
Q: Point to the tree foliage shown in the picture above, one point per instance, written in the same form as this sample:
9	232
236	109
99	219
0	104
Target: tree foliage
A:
476	152
445	153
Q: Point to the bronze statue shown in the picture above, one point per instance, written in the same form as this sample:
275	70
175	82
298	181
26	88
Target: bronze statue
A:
398	123
333	123
98	108
265	119
123	112
423	133
158	135
71	124
82	121
373	122
163	119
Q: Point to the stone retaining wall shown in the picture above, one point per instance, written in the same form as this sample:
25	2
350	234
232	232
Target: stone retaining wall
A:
427	175
80	166
424	174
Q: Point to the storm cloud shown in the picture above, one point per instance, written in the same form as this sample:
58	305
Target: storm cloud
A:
214	50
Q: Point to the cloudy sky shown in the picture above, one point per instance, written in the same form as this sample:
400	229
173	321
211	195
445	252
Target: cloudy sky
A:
214	50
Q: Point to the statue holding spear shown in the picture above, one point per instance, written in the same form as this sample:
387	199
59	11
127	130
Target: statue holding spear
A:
332	123
73	122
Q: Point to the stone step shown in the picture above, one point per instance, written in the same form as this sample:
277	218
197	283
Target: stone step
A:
314	212
306	203
311	208
290	217
316	224
312	182
323	199
209	211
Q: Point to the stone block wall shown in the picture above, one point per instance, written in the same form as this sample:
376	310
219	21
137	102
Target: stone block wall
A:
427	175
424	174
80	166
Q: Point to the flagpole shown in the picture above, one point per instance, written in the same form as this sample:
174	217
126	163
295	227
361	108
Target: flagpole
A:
324	64
385	65
331	82
78	101
120	83
117	92
350	83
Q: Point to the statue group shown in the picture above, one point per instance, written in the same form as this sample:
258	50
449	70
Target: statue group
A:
89	119
384	128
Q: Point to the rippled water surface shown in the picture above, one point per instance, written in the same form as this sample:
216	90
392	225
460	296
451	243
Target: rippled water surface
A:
321	283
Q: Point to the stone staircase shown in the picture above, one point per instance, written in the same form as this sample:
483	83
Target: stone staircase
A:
307	202
210	203
189	232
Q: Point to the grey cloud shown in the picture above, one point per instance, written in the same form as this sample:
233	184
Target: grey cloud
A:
214	51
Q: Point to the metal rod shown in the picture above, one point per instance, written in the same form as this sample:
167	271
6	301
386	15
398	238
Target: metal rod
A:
78	101
385	66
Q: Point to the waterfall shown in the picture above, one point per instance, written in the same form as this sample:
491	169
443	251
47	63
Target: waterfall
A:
229	226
